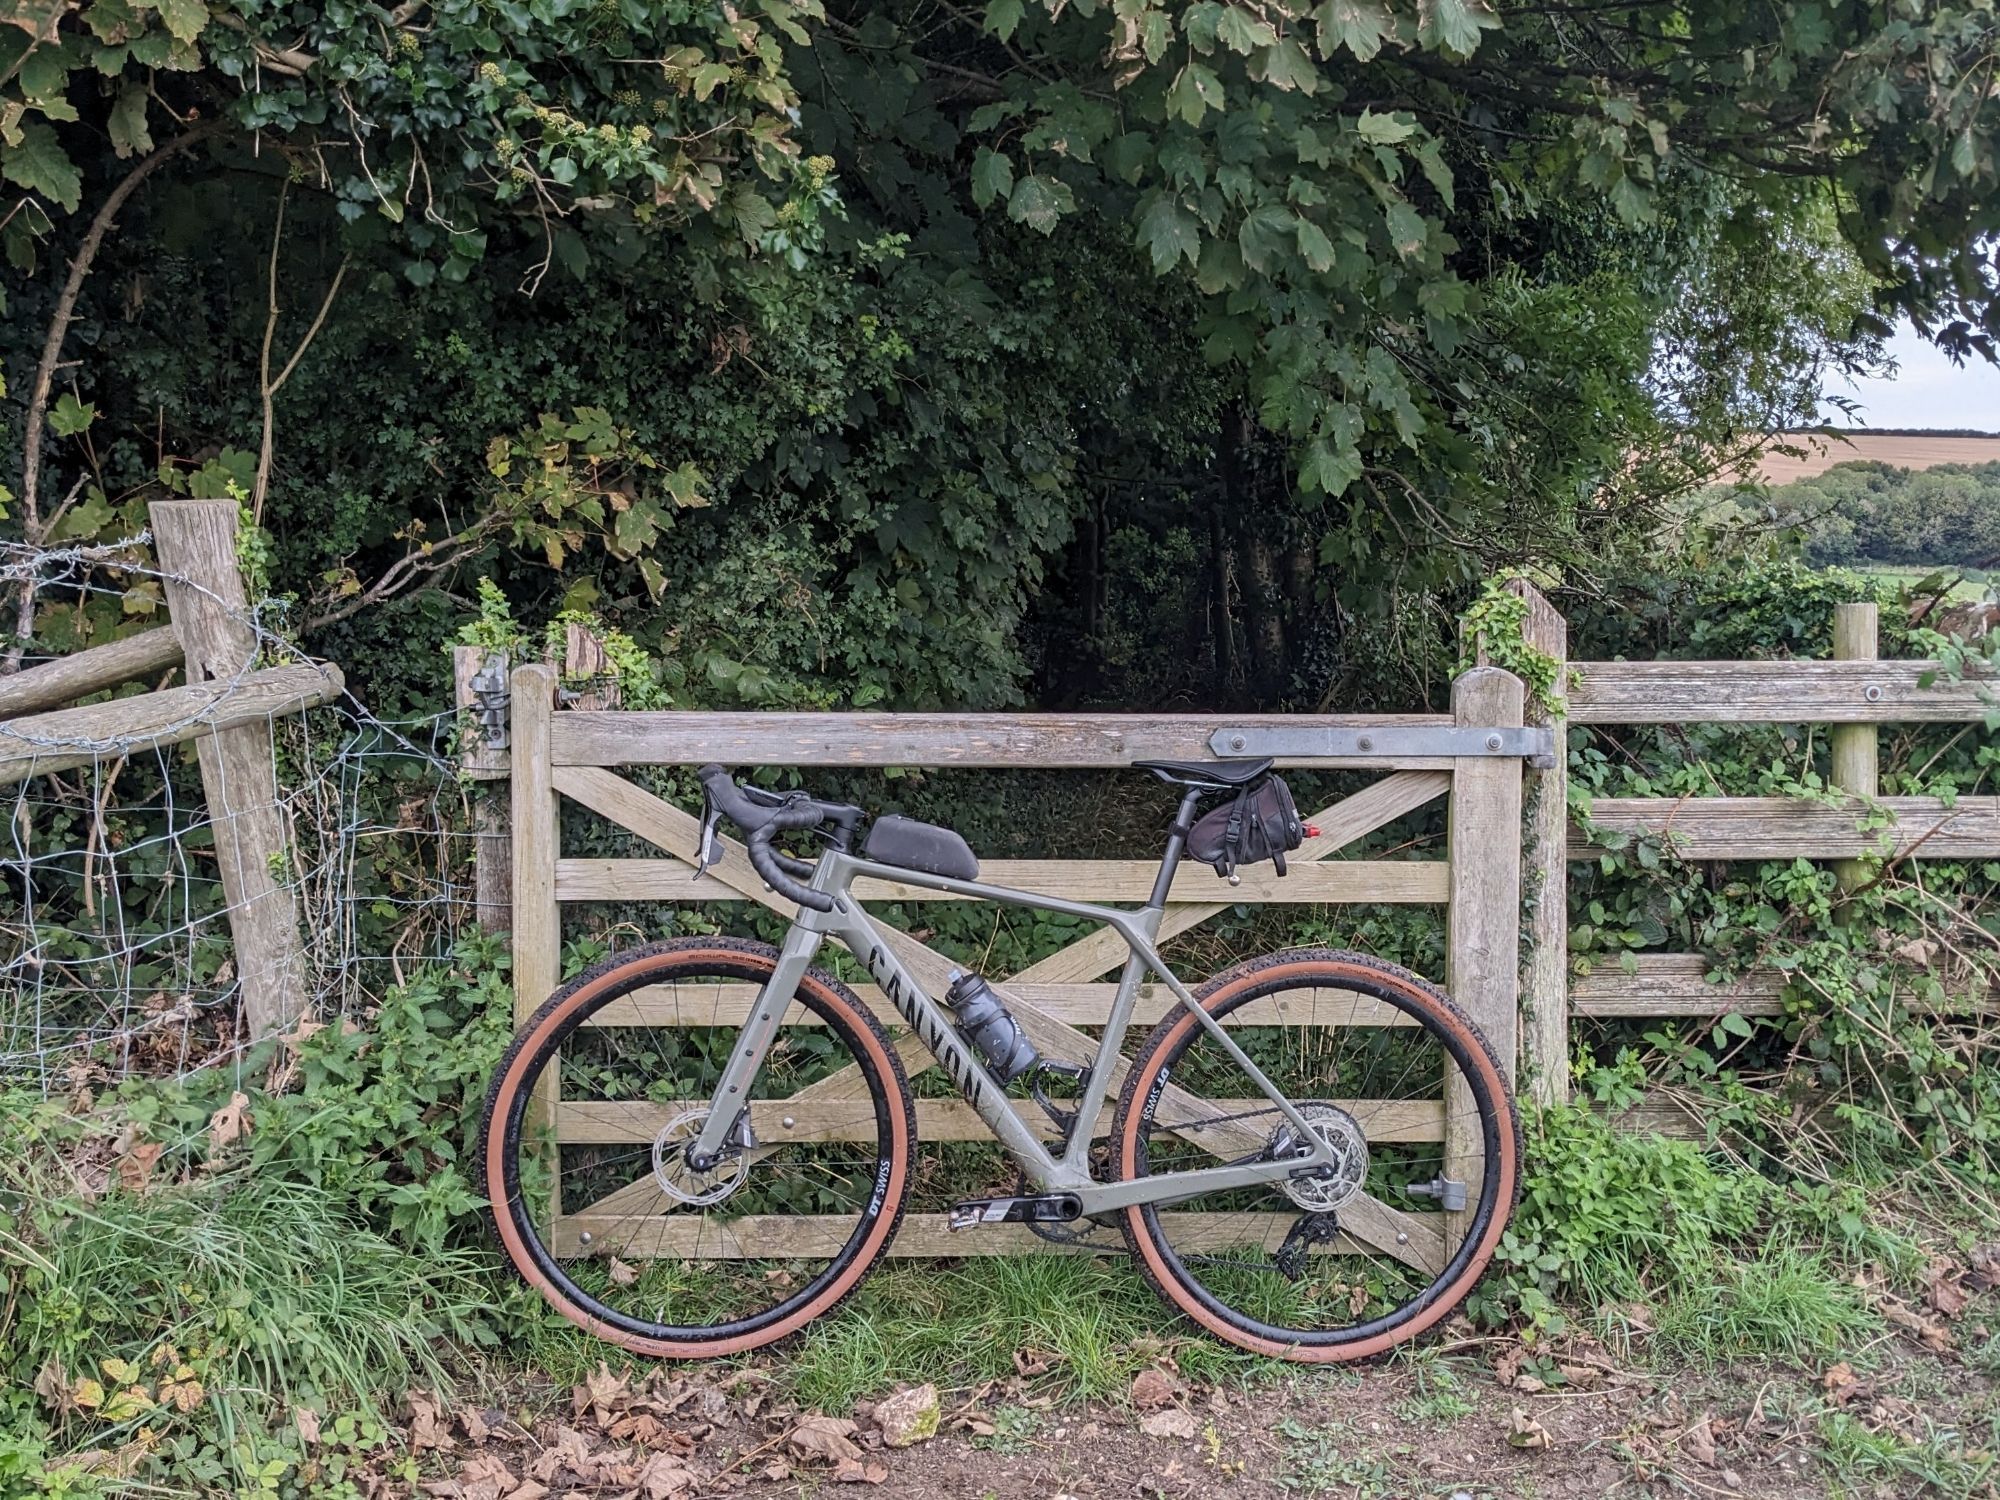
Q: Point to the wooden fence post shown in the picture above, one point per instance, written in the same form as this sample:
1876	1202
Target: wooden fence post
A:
1483	918
196	544
1854	745
487	765
537	916
536	844
1545	854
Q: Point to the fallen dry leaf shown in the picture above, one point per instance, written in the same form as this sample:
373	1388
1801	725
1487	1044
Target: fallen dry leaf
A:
602	1394
853	1471
1169	1423
1944	1291
1929	1332
1698	1442
1507	1368
622	1274
665	1477
1153	1389
1525	1432
230	1123
135	1167
306	1420
908	1417
817	1436
427	1428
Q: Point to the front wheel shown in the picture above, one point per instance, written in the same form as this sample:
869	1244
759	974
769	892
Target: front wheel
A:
587	1125
1348	1262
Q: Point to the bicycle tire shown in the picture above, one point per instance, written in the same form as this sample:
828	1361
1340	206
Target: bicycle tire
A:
540	1040
1462	1039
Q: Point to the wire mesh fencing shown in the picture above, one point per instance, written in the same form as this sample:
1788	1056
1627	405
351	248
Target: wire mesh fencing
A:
116	950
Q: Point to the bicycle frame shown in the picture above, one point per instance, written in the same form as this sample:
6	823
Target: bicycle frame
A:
934	1027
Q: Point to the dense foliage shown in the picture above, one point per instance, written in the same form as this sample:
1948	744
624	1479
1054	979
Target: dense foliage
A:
901	353
1946	517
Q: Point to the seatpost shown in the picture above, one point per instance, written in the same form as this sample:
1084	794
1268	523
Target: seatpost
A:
1177	838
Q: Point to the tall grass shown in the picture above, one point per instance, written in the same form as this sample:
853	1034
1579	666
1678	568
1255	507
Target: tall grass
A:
266	1288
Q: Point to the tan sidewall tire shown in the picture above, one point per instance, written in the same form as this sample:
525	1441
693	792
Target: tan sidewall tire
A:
579	996
1336	970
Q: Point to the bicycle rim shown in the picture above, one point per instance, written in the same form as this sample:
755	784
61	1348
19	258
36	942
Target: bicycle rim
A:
587	1125
1342	1265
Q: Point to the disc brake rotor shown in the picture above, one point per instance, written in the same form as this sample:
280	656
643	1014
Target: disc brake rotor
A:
1339	1184
681	1182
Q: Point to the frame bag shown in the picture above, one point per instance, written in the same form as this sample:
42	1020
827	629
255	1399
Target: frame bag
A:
1259	823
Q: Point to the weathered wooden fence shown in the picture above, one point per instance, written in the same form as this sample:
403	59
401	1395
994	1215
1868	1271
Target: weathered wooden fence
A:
569	755
1503	882
1853	694
226	705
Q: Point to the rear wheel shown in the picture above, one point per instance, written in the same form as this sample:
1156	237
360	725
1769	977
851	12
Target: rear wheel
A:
586	1128
1349	1263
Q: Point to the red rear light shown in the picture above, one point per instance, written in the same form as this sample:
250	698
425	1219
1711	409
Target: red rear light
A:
1312	830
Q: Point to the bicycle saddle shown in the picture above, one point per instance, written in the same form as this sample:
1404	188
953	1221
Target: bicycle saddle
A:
1206	772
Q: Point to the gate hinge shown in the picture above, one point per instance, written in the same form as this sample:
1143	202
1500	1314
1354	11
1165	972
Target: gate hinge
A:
491	701
1534	743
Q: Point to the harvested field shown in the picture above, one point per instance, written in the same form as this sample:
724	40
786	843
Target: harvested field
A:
1821	451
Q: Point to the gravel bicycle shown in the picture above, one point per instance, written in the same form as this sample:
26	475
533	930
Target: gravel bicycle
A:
1312	1156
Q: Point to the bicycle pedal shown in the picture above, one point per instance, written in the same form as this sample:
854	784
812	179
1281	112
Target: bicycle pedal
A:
1047	1208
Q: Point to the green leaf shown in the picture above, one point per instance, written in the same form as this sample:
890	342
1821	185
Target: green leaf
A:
1220	268
1002	16
1385	130
708	78
1242	33
1407	230
1328	471
1315	246
1453	26
186	19
1194	92
992	176
752	211
1286	66
70	416
1169	232
127	122
1361	26
39	164
684	484
1039	201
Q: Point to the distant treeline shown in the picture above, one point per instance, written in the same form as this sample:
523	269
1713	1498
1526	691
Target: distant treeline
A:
1948	516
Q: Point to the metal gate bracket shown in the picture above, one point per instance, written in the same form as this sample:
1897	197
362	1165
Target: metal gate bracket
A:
491	701
1535	744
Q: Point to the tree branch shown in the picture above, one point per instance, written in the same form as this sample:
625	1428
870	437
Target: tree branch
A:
65	310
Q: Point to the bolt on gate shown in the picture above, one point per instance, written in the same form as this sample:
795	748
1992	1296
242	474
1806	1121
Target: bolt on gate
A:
1474	756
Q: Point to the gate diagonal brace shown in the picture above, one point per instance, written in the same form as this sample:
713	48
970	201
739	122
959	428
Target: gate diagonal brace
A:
1535	744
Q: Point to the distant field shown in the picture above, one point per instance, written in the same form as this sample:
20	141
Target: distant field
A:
1960	593
1904	450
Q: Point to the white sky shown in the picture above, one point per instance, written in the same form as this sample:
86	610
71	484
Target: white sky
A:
1927	390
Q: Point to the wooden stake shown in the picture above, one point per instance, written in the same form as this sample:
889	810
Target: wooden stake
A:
1854	745
196	544
1545	856
492	824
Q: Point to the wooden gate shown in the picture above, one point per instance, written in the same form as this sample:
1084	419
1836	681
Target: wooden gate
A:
571	754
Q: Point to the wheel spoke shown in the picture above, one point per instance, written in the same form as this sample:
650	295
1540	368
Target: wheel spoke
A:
663	1253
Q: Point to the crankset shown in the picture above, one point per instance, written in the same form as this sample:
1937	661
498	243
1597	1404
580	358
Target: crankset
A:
1036	1208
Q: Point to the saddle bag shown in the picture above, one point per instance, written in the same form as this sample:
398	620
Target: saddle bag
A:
1259	823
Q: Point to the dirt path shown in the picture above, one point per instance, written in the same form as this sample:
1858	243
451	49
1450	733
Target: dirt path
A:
1479	1424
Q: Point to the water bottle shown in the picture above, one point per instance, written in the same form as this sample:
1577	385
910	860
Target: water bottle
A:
985	1023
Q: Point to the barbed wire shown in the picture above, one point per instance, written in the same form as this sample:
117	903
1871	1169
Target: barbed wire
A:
115	948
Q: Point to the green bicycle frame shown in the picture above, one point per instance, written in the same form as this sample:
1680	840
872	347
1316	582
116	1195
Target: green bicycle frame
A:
933	1026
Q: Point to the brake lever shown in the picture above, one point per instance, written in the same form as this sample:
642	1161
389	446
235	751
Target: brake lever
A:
708	851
